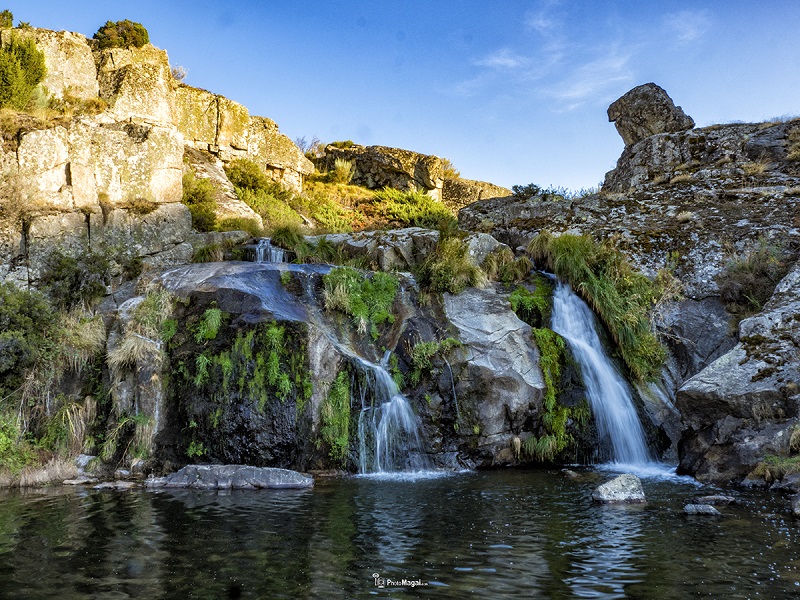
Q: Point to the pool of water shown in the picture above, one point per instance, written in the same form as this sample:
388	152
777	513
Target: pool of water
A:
526	534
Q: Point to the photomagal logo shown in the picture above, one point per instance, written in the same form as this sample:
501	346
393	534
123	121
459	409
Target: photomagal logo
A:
380	582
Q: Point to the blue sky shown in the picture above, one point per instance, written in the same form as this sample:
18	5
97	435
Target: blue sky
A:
510	91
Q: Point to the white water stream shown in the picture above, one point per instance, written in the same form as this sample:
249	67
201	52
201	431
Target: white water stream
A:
609	397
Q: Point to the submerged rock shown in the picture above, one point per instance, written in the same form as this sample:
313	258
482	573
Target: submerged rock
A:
625	489
232	477
715	500
701	509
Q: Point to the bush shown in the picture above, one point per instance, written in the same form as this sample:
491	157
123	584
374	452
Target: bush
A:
449	268
6	19
273	211
619	295
502	265
198	195
415	209
121	34
343	171
244	173
343	144
526	191
22	68
287	236
76	282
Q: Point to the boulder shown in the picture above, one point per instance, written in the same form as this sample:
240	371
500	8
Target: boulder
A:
795	503
458	193
377	167
233	477
624	489
497	371
715	500
701	510
647	110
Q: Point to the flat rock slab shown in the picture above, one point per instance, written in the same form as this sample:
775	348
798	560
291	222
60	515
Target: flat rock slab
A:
625	489
715	500
232	477
701	509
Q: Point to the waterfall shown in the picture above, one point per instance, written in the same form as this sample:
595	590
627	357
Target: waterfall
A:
609	396
388	435
264	251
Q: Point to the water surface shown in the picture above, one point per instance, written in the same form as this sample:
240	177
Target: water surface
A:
526	534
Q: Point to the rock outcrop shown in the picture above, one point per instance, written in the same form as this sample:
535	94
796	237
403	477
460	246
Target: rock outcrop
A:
647	110
377	167
401	249
744	404
458	193
224	128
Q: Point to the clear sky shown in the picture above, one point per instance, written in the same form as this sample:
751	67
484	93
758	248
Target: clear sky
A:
510	91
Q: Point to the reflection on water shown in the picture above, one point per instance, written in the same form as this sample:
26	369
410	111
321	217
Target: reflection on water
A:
527	534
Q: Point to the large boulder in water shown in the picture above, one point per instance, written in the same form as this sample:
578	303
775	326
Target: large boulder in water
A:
233	477
625	489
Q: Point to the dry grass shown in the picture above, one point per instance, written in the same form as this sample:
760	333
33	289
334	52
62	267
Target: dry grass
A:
55	471
683	178
684	216
133	349
756	168
82	338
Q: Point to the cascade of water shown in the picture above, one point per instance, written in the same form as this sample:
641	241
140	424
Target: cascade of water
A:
609	396
388	435
266	252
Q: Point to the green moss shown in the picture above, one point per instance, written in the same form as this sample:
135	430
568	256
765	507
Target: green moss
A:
619	295
208	326
335	413
554	436
423	353
368	300
534	308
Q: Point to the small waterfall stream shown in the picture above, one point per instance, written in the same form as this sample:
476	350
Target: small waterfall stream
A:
609	396
388	435
264	251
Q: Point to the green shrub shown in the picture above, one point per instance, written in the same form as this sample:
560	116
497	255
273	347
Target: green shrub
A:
343	144
747	282
343	171
273	211
26	319
73	282
288	236
245	173
526	191
199	196
15	454
619	295
367	300
6	19
449	268
22	68
415	209
250	226
423	353
121	34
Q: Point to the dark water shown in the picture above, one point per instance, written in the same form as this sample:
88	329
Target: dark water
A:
525	534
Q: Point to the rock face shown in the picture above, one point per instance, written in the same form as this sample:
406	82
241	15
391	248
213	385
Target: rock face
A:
69	61
500	372
625	489
470	406
647	110
458	193
233	477
215	124
378	167
743	405
402	249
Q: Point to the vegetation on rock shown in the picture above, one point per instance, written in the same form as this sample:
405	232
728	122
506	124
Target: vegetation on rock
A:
368	300
121	34
335	419
412	209
22	68
534	308
620	296
502	265
449	268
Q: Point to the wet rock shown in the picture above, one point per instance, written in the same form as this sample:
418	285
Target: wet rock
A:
795	503
116	485
237	477
701	509
715	500
647	110
624	489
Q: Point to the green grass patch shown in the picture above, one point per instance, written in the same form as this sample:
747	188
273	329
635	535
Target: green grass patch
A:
367	299
411	209
620	296
449	268
534	308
